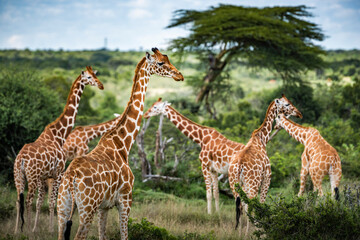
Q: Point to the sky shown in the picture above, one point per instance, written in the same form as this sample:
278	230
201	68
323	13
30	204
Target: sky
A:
141	24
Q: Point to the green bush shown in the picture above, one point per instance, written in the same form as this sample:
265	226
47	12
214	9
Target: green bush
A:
308	217
26	107
146	230
7	203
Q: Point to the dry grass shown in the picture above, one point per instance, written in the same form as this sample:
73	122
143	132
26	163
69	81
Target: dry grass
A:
177	216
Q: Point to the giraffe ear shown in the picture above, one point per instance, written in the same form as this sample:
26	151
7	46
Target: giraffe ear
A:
277	101
95	72
82	73
116	114
148	57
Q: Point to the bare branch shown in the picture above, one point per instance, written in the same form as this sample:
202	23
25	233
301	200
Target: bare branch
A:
160	177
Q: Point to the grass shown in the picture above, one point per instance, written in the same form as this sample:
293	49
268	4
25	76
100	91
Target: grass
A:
177	215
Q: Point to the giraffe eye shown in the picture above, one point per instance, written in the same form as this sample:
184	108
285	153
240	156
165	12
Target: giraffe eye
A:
89	77
161	63
286	105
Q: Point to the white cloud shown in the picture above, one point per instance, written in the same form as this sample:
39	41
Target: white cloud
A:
15	41
139	13
138	3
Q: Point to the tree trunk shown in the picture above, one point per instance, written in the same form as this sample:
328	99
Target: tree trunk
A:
160	144
217	65
210	77
145	165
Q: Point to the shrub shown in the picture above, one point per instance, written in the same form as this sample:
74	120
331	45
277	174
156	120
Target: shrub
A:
26	107
308	217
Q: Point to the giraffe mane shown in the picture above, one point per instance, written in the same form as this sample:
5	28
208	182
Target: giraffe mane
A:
197	124
263	123
296	124
94	125
67	102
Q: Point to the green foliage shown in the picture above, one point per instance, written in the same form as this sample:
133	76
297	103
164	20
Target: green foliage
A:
26	107
275	38
308	217
7	202
147	231
350	164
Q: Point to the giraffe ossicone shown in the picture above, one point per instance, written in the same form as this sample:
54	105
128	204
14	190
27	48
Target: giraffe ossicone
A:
103	179
45	158
216	150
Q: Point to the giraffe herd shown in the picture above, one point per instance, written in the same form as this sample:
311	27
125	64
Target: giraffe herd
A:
97	181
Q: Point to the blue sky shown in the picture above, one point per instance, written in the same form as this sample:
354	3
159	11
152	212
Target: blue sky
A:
140	24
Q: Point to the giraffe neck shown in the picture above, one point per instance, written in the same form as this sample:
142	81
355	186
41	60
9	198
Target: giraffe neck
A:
263	132
94	131
62	126
126	130
298	132
189	128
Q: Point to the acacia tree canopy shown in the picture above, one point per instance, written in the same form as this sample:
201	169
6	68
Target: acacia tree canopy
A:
276	38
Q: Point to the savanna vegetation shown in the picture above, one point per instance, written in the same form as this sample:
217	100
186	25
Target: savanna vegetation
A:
34	87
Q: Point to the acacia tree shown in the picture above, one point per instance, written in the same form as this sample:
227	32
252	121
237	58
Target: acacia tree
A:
276	38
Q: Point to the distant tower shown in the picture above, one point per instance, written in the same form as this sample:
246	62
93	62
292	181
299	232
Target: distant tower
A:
105	43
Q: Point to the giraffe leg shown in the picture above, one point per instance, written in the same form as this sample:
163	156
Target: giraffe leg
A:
53	194
214	177
124	207
240	224
29	200
64	203
208	182
248	221
234	177
39	201
20	186
303	173
102	214
335	177
251	191
317	177
85	222
265	184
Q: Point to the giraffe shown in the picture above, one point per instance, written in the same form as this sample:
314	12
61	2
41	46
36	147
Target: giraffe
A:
76	143
45	158
103	179
319	157
216	150
250	167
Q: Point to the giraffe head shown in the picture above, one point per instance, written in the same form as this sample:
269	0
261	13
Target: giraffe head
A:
284	106
89	77
156	109
159	64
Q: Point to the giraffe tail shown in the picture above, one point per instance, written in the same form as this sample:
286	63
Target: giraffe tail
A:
238	211
69	222
22	209
337	196
19	177
67	230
